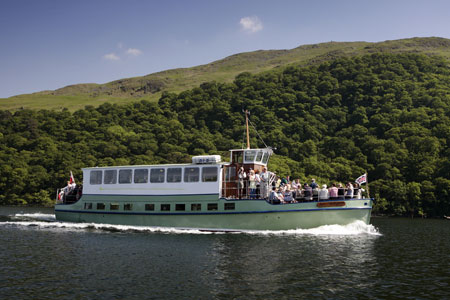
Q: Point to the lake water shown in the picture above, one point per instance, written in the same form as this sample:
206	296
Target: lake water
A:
41	258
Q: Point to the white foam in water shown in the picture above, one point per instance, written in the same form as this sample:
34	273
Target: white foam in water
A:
37	216
48	221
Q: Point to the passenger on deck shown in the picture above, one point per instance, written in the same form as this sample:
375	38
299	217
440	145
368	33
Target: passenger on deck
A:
333	191
307	192
288	196
358	190
252	184
264	183
349	190
323	193
313	184
341	191
258	184
241	177
273	197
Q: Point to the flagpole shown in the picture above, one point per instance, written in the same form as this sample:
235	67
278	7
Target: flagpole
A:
367	184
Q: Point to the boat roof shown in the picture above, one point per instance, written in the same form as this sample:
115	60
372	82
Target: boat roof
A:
153	166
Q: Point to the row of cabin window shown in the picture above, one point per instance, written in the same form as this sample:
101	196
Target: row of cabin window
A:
164	207
157	175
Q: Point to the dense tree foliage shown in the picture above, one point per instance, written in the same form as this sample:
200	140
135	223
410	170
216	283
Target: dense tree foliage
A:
385	114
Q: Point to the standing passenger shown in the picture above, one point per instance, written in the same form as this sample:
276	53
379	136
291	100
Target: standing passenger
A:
241	177
264	183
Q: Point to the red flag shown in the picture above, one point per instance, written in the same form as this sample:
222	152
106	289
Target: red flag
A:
72	180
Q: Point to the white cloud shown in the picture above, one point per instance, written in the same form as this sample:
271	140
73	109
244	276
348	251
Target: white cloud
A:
111	56
134	51
251	24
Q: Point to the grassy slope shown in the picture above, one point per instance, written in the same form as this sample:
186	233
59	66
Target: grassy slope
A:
151	86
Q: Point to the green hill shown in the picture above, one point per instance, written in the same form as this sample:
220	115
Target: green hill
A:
385	114
150	87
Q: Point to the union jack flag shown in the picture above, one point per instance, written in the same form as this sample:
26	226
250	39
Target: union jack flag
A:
361	179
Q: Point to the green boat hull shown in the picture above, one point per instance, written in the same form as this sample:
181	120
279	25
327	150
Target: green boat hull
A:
244	215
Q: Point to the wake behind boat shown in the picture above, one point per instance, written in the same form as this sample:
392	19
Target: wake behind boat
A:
208	194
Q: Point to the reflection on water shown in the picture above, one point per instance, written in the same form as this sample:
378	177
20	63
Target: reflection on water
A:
50	259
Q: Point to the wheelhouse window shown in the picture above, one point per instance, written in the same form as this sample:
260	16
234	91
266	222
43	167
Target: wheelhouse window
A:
157	175
174	175
165	207
265	158
141	176
191	174
95	177
259	156
209	174
125	176
110	177
249	155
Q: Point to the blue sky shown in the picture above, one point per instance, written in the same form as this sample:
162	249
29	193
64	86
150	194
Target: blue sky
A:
50	44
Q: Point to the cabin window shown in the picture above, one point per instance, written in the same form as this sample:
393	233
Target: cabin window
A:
212	206
180	207
229	206
230	173
149	206
237	157
87	205
128	206
191	174
110	177
125	176
249	155
196	206
100	205
114	206
174	175
265	157
157	175
259	156
165	207
141	176
209	174
96	177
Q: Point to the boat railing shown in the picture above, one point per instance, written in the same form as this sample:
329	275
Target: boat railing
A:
232	190
68	195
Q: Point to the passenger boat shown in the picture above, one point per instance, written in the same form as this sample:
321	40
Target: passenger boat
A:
204	194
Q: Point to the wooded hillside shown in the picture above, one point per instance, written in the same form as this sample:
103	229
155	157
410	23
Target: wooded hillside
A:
387	114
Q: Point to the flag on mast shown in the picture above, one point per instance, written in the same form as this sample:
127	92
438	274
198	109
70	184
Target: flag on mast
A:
72	179
361	179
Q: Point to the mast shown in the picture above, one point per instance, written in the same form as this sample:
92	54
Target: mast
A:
246	125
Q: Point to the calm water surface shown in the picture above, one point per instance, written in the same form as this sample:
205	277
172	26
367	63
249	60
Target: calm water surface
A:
391	259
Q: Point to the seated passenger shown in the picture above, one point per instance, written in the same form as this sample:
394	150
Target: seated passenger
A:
323	193
333	191
273	197
288	196
307	192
